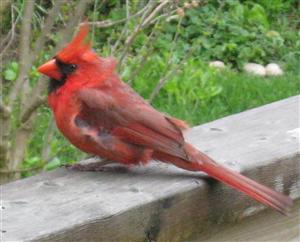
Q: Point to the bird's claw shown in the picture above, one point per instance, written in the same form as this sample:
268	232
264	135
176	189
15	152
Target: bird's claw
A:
87	167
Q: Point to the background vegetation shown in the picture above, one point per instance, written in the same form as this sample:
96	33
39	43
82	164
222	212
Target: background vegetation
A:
163	48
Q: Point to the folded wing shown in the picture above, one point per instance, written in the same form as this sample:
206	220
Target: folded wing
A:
132	120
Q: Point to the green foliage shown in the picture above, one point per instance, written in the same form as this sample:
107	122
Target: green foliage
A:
196	81
237	32
56	162
276	6
239	92
31	164
11	72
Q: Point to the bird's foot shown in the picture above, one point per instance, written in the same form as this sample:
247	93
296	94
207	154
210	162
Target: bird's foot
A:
92	166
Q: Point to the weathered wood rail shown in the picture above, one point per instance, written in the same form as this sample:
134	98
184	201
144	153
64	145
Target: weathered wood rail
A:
160	202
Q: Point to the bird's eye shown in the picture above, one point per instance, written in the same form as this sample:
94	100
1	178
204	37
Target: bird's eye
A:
65	68
73	67
68	68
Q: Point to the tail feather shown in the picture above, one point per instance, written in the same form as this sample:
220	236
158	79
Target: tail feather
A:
253	189
257	191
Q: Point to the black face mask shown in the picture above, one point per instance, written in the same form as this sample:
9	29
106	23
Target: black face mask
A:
65	70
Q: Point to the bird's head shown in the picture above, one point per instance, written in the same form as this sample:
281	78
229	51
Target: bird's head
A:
71	60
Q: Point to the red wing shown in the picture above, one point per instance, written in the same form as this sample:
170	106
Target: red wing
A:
132	120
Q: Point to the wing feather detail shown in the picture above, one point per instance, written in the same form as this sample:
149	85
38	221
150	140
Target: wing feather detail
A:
131	119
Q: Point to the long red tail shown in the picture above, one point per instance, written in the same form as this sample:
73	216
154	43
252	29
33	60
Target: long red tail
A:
257	191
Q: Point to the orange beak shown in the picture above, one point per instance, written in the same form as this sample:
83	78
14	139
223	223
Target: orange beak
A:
50	69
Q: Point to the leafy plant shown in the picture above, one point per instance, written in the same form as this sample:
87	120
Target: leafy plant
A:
11	72
237	32
196	82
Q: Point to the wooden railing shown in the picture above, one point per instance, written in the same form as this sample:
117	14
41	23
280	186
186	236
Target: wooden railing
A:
160	202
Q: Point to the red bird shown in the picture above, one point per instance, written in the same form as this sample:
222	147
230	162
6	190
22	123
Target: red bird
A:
101	115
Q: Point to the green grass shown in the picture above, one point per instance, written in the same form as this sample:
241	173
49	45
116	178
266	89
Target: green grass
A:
239	92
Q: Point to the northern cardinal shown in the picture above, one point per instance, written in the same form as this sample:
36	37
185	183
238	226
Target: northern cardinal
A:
101	115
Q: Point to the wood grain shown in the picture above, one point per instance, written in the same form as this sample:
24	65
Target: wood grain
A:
160	202
265	226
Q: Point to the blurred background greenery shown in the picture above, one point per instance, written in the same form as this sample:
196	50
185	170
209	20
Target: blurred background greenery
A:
165	60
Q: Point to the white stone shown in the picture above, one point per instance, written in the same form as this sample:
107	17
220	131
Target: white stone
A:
273	69
217	64
255	69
